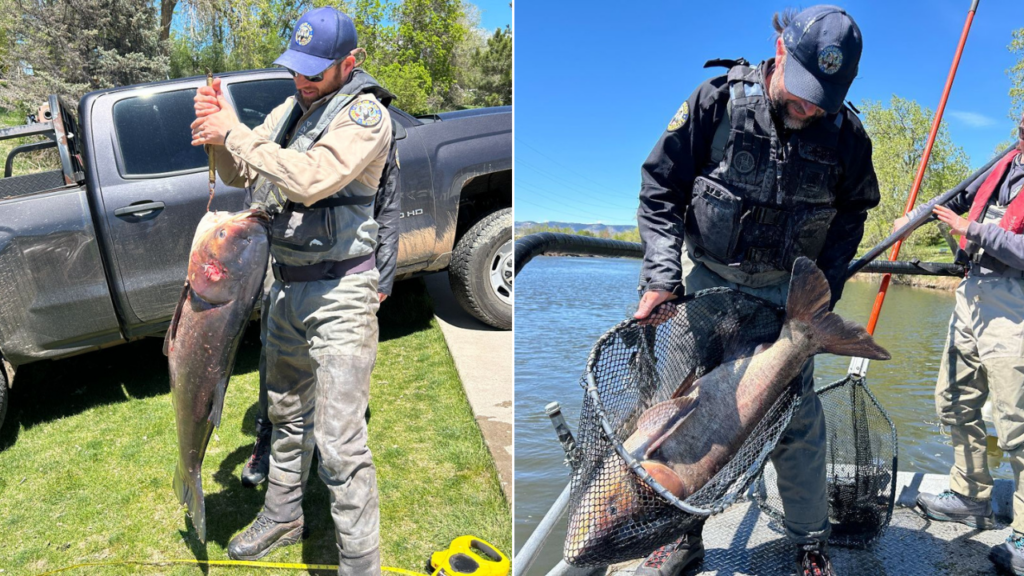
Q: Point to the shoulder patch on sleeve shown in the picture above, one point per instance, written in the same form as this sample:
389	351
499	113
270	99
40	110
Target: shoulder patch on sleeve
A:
682	115
365	113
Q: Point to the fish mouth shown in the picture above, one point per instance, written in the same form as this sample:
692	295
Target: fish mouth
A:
257	214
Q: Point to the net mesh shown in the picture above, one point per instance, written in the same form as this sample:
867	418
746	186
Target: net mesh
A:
633	367
861	464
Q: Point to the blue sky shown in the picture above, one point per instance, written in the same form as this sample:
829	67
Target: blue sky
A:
494	14
597	82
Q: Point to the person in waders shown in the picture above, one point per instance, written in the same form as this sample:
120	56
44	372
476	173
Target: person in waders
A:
759	167
315	164
984	354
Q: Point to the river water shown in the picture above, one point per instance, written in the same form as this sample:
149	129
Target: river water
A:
564	304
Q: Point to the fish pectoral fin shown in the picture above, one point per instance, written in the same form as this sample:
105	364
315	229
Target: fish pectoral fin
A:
217	403
172	330
687	383
199	303
658	422
665	476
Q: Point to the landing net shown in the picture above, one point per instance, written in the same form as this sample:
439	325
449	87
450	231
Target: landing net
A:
633	367
860	464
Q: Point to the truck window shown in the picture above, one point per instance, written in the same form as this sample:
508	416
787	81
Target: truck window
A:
153	134
255	99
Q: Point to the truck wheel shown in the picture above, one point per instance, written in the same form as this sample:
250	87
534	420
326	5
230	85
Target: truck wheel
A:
481	270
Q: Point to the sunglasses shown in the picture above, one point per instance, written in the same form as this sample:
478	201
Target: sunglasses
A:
314	78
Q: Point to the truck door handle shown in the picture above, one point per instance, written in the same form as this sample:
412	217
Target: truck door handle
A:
139	209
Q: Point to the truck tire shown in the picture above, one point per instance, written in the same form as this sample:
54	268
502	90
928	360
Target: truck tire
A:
481	270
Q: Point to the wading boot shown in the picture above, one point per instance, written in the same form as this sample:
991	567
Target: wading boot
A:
264	535
952	507
258	465
674	557
1010	554
813	561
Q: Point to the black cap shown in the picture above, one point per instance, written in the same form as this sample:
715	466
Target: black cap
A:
823	44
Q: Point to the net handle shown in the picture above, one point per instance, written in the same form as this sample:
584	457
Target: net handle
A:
894	255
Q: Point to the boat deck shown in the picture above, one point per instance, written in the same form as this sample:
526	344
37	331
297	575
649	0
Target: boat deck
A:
742	540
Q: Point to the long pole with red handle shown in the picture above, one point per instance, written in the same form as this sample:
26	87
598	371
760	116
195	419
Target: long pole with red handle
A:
880	298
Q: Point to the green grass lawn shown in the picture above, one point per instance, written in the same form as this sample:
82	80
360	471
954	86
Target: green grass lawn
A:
88	451
30	162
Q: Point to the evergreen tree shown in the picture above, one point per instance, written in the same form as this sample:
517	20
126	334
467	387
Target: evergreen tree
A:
495	67
69	47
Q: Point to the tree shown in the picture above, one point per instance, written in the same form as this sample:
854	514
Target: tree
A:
495	67
899	133
69	47
409	80
1017	75
222	35
6	20
428	32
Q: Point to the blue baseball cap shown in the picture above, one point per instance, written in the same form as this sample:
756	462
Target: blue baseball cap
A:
321	37
824	46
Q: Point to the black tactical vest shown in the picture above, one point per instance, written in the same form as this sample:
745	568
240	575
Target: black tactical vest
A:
763	202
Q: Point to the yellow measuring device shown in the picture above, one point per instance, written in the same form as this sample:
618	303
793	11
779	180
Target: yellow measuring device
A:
470	555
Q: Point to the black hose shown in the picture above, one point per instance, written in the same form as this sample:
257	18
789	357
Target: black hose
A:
915	267
556	243
552	242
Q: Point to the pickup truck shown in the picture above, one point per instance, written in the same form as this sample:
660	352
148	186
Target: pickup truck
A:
94	254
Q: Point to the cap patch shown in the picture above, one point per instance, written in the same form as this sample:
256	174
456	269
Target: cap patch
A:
365	113
830	59
682	115
304	34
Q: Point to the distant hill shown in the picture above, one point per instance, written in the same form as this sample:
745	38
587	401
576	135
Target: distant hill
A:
596	229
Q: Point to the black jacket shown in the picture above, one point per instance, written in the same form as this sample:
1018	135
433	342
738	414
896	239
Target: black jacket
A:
682	154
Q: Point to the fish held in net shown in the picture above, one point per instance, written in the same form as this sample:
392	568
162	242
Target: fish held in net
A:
684	441
226	268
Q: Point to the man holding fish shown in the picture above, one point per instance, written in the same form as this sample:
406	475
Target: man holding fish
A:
758	168
315	164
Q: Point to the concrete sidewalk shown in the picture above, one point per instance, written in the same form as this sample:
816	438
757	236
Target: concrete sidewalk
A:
483	357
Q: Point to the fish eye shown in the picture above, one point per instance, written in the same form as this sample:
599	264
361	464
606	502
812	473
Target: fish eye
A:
222	234
612	510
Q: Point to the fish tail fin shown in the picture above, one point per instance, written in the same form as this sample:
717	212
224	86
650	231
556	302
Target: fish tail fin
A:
809	298
189	489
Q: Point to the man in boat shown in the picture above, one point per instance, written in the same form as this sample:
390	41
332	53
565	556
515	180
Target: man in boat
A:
984	354
759	167
316	163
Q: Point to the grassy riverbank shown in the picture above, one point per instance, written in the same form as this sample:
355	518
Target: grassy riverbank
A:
89	449
934	253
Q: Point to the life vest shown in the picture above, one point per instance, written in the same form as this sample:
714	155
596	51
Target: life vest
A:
338	227
1013	219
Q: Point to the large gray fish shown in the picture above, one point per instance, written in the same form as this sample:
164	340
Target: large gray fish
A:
684	441
225	272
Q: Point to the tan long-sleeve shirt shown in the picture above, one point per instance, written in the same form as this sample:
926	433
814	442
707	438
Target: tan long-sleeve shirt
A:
347	151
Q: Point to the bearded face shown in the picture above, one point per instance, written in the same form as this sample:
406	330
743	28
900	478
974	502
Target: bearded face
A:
794	113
